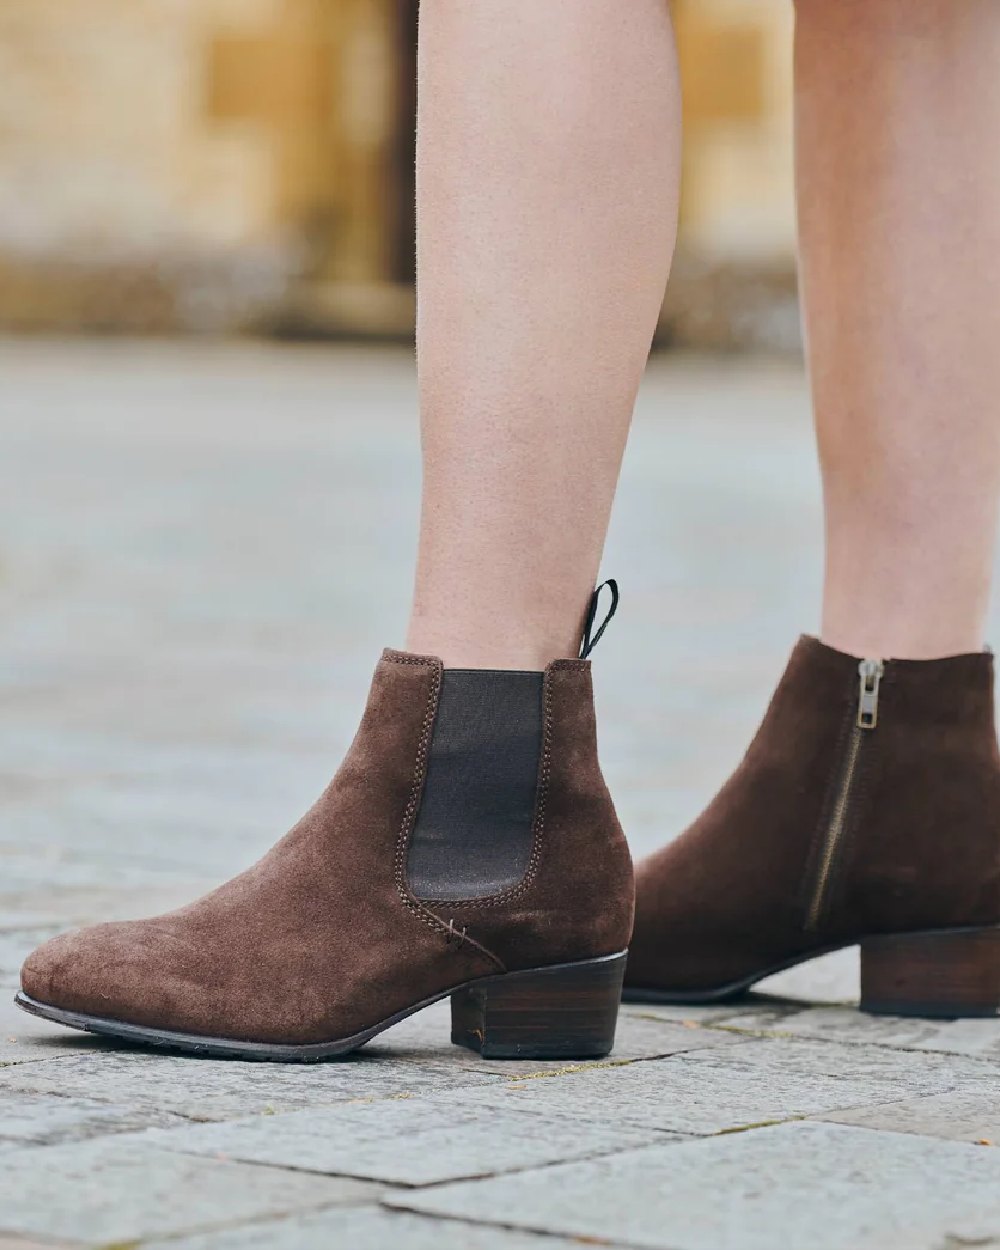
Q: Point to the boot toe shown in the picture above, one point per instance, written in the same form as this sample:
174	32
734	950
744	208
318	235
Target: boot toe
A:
157	975
41	971
103	971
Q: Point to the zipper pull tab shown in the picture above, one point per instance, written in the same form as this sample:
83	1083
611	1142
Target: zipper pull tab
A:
871	672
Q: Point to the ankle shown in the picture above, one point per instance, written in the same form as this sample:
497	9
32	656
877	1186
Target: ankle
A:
486	648
894	588
519	641
907	638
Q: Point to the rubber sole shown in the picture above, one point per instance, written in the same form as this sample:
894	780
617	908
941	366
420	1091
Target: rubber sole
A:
562	1011
935	974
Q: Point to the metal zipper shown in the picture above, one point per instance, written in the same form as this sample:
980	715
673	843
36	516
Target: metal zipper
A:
870	673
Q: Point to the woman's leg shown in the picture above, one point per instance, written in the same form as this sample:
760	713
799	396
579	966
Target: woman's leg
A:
898	113
547	198
547	164
868	805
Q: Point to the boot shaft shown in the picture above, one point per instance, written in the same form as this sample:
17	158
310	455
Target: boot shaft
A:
508	832
890	769
909	835
867	806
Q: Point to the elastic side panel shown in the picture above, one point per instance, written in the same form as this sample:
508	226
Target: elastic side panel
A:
473	832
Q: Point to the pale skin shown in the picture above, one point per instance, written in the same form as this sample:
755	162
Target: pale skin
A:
898	120
548	168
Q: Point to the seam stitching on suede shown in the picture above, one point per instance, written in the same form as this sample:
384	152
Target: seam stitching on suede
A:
416	908
545	766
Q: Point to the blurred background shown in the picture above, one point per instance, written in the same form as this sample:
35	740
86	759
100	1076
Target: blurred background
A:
228	166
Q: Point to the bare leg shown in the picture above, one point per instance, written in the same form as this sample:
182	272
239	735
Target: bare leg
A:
898	110
547	171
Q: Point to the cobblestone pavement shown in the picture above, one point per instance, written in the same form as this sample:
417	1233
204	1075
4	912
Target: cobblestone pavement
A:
202	551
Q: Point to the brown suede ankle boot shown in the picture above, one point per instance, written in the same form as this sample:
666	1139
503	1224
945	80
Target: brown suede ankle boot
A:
867	809
467	846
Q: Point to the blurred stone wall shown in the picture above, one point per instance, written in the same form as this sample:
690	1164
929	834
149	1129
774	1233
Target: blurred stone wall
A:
734	281
119	204
184	163
218	165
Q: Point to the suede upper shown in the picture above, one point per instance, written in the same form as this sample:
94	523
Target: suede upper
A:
920	841
322	938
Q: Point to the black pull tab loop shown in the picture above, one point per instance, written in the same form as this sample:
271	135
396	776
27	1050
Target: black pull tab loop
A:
590	639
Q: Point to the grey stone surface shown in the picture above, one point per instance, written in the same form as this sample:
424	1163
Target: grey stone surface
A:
418	1141
24	1038
970	1114
833	978
821	1186
14	947
114	1190
957	1037
685	1015
710	1092
40	1119
367	1229
23	1243
53	878
885	1069
979	1232
207	1090
46	903
202	550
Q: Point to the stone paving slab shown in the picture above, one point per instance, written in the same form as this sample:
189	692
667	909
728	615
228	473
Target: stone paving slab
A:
32	870
14	947
368	1229
970	1115
39	1119
51	906
680	1096
821	1186
957	1037
113	1190
167	830
885	1068
205	1089
418	1141
25	1039
685	1015
22	1243
834	978
978	1232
